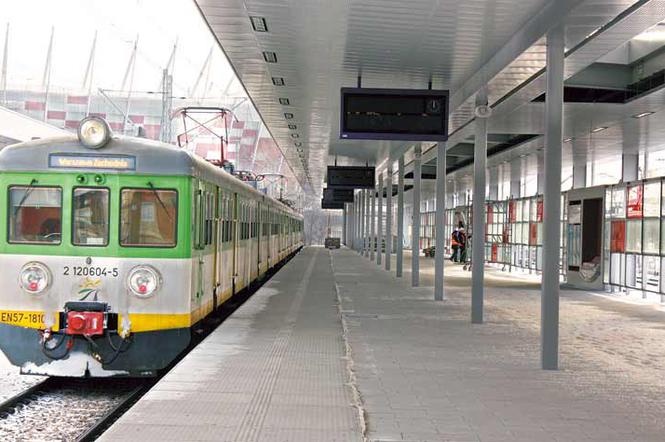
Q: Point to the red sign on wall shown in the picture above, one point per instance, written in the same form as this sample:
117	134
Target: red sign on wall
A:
533	234
618	236
512	211
634	206
539	211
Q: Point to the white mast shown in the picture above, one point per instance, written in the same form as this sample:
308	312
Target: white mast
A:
46	79
3	75
129	74
89	73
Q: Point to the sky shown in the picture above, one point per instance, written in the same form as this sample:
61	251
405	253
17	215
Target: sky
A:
158	24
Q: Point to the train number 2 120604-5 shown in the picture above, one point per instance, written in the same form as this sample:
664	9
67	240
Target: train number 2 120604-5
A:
90	271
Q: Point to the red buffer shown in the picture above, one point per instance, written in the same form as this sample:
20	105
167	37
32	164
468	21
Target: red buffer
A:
85	323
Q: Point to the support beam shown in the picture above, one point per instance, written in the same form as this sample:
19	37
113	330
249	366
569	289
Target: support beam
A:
549	313
372	220
399	262
379	222
439	294
389	215
415	223
478	230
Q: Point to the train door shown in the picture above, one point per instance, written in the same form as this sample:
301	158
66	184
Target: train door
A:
234	236
217	247
259	221
251	248
198	248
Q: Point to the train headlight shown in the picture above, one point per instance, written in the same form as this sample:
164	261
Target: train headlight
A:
143	281
35	278
94	132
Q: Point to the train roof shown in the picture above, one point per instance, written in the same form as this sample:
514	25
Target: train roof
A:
121	155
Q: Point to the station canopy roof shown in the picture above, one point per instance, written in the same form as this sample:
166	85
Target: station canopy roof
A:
316	47
16	127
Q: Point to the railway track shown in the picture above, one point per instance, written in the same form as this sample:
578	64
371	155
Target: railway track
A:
68	409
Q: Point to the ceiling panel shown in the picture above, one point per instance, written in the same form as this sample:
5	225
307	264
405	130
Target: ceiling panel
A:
322	46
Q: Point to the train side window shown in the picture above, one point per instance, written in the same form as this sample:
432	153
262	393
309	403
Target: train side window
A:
148	217
90	216
208	218
35	215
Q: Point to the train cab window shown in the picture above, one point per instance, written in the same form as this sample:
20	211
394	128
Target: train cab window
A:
35	215
148	217
90	217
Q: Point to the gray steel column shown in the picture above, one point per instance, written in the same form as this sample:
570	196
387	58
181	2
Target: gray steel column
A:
400	217
630	164
366	219
549	312
439	294
541	172
579	175
368	197
494	184
372	220
515	178
366	209
360	222
415	223
478	230
344	224
379	222
352	226
357	224
389	216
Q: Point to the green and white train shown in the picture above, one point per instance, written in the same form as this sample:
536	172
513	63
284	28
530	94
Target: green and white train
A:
114	248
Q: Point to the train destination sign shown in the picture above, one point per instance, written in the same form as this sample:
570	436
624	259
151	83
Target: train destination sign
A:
76	161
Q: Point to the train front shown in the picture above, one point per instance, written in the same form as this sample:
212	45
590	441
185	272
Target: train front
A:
93	261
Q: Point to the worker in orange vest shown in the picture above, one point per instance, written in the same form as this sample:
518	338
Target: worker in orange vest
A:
455	245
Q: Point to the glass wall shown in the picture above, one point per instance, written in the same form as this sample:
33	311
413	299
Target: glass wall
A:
634	225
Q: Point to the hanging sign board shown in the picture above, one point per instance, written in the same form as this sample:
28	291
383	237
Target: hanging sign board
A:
394	114
338	195
350	177
328	204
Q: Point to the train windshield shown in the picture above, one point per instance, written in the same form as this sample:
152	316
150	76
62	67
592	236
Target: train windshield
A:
90	217
35	215
148	218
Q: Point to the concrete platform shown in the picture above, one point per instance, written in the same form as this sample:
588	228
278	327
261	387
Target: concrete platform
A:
274	371
333	348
